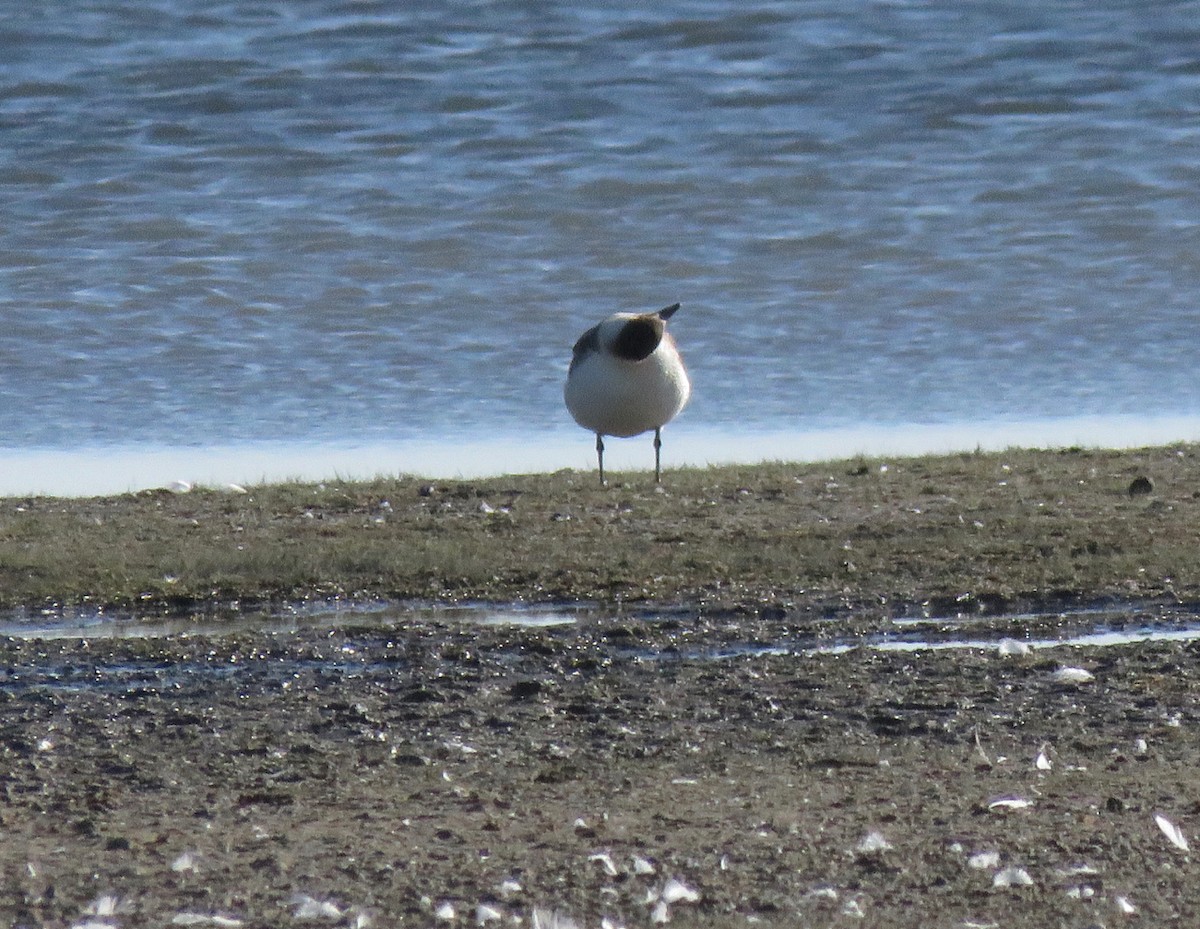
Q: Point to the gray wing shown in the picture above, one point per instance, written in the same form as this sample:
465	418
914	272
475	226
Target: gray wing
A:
587	344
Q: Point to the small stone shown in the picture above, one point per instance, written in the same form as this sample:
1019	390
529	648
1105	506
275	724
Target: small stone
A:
1140	486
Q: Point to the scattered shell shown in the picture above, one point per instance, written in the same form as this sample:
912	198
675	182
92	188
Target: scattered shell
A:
552	919
1140	748
307	907
206	919
1125	906
236	489
853	908
984	861
873	843
444	912
1073	676
1011	648
106	905
1172	832
1002	804
508	887
979	748
185	862
642	865
605	860
485	914
661	913
1012	877
675	891
1043	762
180	487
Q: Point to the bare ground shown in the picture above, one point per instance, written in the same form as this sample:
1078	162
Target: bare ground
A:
705	760
446	775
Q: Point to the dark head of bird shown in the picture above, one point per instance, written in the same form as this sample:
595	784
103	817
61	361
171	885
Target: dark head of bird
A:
626	336
639	337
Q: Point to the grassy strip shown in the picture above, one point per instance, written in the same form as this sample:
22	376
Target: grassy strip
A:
1009	525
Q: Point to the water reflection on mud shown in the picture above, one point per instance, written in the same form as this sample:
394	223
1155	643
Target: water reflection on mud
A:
679	631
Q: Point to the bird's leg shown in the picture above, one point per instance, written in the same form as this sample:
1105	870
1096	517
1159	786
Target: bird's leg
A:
600	456
658	456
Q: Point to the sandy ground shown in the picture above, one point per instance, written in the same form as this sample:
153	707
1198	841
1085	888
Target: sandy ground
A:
612	770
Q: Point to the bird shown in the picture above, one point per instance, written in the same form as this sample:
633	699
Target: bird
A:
626	377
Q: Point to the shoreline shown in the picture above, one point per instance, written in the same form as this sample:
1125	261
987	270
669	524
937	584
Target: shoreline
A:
111	470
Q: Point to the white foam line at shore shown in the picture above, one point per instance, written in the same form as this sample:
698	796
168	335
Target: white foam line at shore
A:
120	469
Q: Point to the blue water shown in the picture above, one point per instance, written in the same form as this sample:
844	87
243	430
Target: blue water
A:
325	221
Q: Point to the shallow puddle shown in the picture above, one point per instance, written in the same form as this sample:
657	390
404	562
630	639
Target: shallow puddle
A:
91	624
1099	636
1122	624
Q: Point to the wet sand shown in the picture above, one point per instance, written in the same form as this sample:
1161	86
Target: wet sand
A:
615	769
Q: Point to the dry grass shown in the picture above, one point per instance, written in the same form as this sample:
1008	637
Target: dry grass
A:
1013	524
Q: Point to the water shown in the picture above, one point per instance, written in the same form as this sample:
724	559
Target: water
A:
83	623
334	224
1111	625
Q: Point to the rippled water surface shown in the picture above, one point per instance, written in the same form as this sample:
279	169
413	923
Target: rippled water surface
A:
325	220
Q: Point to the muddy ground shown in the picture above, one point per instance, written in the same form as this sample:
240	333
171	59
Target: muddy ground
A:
716	745
613	769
